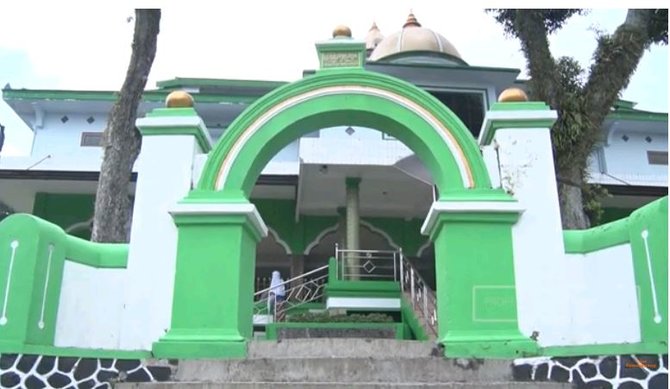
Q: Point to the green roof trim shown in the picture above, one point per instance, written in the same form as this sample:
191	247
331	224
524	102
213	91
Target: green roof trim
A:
148	96
637	115
199	82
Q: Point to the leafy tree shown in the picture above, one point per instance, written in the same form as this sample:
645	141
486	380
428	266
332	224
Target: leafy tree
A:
121	140
582	100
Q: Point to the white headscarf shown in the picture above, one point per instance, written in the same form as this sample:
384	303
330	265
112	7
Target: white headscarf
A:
276	286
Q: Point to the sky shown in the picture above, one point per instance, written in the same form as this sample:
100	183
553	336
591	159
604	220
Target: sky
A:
88	47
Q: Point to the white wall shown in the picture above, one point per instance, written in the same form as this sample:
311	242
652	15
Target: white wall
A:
603	297
628	159
527	172
56	137
364	147
567	299
164	178
89	311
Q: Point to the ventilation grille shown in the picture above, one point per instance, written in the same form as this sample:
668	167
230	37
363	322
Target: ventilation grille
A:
91	139
657	157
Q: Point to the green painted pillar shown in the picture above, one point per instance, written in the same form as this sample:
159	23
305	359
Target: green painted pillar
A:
474	272
353	225
214	282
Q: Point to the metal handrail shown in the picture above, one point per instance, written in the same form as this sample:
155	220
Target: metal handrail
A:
362	264
422	297
305	291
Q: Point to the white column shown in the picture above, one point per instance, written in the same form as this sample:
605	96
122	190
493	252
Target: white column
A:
165	168
524	152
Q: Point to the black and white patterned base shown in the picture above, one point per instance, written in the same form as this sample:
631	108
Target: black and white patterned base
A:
616	372
39	371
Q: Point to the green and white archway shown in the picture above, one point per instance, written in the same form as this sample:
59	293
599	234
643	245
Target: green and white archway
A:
218	227
352	97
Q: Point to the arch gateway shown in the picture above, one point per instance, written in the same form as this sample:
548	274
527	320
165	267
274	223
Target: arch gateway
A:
509	282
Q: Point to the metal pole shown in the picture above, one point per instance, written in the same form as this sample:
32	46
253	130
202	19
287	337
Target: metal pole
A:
402	273
425	302
337	260
411	284
395	268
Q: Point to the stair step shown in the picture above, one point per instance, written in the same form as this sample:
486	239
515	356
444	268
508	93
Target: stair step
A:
342	348
338	385
344	370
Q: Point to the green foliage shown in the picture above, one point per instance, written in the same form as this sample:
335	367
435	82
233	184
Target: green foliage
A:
573	134
554	19
658	28
324	317
592	195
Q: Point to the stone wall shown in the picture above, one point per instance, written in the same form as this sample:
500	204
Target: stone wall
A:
616	372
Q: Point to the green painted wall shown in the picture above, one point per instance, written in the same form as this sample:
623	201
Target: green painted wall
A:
280	216
32	256
65	210
612	214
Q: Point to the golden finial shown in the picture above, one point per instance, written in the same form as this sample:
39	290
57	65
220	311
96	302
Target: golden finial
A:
411	20
179	99
512	95
342	31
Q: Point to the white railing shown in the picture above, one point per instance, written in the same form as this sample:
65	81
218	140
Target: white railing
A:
305	288
368	265
422	297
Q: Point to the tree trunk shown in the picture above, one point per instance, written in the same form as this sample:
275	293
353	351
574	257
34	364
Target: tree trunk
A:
571	200
121	140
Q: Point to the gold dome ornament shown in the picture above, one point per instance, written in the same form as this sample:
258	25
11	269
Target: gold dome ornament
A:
342	31
179	99
511	95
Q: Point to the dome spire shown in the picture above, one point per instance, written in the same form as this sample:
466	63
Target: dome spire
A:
373	38
411	21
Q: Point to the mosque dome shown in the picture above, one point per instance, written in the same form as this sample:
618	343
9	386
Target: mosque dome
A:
415	43
373	38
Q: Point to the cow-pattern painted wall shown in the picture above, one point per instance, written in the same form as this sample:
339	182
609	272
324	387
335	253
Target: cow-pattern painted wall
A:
40	371
616	371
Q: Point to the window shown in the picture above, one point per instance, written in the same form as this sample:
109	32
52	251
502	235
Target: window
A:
657	157
469	106
91	139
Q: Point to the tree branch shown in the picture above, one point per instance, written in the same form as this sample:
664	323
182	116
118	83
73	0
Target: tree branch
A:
530	28
615	61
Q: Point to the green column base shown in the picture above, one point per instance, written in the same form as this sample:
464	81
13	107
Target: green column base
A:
199	344
489	344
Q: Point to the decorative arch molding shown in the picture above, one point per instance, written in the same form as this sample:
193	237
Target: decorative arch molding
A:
351	97
381	232
319	237
423	248
334	227
279	240
86	224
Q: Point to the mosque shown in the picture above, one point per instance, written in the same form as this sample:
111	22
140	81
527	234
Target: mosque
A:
397	178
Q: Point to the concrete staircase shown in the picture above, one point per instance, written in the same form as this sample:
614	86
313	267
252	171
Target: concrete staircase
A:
342	363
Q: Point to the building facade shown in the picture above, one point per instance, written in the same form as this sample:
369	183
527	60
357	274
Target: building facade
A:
394	145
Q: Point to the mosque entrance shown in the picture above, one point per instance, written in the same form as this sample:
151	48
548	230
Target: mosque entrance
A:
467	221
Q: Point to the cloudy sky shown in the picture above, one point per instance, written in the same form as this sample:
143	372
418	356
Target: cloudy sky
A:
88	47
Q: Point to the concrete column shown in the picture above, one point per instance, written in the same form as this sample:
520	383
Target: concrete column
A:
342	227
353	224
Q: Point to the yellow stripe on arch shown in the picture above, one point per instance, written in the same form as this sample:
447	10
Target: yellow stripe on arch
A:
445	133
